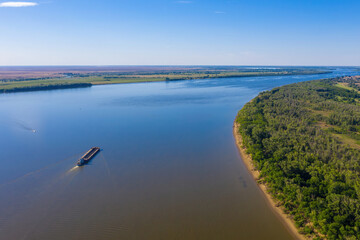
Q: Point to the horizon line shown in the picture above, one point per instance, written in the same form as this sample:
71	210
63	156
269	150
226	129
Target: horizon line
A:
177	65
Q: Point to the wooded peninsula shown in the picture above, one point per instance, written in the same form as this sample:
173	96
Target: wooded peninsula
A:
304	139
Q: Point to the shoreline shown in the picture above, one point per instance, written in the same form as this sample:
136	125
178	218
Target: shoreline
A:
67	85
285	219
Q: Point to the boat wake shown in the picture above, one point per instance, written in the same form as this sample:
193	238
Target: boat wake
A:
24	126
73	169
106	164
41	170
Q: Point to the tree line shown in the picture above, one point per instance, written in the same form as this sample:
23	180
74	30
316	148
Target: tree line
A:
303	138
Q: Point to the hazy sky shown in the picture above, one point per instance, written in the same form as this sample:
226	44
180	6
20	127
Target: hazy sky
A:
170	32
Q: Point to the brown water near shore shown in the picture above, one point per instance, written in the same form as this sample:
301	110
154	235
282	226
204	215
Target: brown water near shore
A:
246	158
169	168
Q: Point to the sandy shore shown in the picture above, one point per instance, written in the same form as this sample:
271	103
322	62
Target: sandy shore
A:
285	219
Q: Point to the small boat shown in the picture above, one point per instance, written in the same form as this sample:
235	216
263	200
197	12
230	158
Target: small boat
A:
88	156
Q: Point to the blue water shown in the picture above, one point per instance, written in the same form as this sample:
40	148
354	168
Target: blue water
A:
169	168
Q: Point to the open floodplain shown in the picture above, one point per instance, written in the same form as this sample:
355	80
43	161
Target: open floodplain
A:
169	168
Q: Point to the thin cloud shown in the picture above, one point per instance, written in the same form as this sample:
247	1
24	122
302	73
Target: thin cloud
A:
219	12
18	4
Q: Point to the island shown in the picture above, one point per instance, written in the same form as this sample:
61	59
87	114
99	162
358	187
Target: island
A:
20	79
301	142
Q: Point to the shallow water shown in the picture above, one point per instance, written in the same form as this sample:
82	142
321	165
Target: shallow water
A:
169	168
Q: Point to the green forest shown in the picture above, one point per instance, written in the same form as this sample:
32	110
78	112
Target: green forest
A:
304	138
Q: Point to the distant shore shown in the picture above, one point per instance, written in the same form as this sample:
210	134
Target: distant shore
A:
284	218
47	87
37	79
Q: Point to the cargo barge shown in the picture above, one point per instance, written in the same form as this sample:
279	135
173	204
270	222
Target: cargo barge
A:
88	156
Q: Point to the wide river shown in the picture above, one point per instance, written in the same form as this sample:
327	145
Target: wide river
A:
169	168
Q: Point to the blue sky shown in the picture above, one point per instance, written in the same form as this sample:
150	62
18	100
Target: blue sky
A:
171	32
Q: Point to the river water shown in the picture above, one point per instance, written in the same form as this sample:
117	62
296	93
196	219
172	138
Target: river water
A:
169	168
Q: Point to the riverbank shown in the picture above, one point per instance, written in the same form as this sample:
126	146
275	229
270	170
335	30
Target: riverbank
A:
298	135
284	218
47	87
20	80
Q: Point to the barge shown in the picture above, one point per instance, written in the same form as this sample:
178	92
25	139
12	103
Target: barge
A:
88	156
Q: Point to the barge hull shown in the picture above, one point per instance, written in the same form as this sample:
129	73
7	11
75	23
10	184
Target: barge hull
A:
88	156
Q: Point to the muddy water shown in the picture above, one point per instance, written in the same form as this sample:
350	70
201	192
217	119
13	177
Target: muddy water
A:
169	168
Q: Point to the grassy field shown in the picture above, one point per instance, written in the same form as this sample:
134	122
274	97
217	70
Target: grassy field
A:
345	86
27	80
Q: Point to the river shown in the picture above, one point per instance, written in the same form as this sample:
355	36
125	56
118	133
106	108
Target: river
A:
169	168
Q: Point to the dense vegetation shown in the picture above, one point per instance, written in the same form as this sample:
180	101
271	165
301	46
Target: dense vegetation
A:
304	140
11	80
46	87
